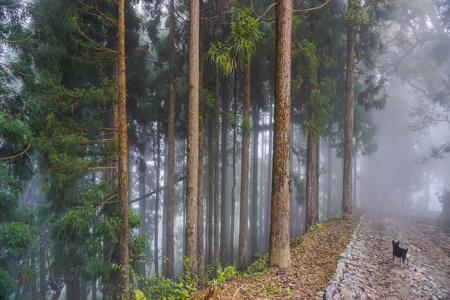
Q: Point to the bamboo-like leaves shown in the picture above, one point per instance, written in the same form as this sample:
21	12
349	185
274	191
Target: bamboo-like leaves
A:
240	45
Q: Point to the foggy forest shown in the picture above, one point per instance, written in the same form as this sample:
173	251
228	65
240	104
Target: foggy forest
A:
150	149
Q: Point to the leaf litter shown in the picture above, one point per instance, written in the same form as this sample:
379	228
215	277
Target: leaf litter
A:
313	261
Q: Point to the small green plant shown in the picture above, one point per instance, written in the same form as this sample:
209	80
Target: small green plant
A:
224	275
258	267
296	241
158	287
288	290
316	226
272	288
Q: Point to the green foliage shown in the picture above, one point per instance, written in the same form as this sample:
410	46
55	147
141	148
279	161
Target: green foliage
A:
17	237
7	284
223	275
247	128
230	118
319	102
240	46
315	227
356	14
221	55
164	288
245	33
76	221
138	295
258	267
307	66
296	241
209	102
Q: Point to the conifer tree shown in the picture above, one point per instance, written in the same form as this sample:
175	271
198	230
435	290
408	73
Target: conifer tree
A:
192	142
279	249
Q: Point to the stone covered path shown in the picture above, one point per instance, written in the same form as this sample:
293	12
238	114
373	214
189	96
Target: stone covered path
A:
365	269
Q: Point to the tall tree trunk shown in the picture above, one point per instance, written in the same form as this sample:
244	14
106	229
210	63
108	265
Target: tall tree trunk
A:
33	272
329	185
269	178
157	200
142	169
254	221
123	171
170	239
225	200
243	220
233	186
73	291
83	291
183	197
311	168
279	250
163	189
94	290
354	180
347	201
192	145
200	203
263	188
210	217
317	183
42	283
216	171
292	202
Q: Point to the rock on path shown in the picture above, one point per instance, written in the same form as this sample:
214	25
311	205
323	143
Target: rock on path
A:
365	269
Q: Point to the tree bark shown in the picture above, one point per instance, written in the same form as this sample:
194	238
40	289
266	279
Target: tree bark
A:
192	140
171	151
233	186
254	221
157	200
200	201
269	178
317	183
225	199
123	171
329	183
243	220
143	204
216	171
210	217
94	290
33	275
347	201
311	201
279	249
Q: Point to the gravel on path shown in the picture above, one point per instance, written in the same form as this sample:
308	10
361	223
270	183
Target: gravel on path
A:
365	269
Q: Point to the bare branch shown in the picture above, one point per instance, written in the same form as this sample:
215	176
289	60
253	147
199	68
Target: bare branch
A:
312	8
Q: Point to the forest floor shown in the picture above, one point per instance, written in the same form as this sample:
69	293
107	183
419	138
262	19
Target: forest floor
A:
313	262
353	260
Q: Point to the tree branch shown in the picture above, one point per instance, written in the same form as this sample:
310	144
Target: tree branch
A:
312	8
105	202
14	156
153	192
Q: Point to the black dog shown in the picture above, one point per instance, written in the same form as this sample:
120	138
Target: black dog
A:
401	253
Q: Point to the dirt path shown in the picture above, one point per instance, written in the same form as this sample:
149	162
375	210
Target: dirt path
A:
365	270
